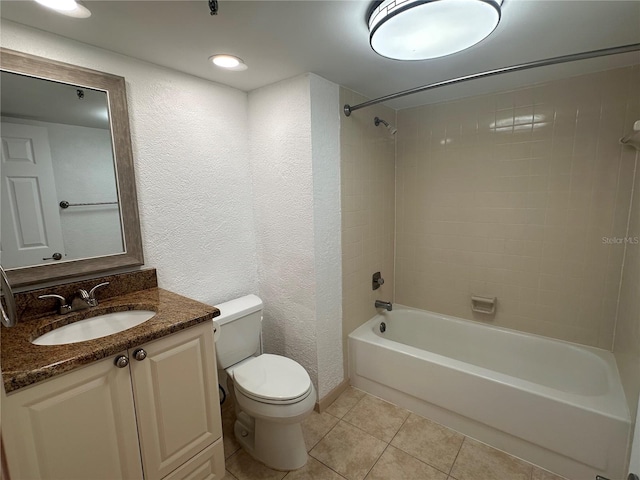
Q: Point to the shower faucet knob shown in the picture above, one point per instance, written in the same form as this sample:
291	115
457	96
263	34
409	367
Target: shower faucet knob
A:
376	281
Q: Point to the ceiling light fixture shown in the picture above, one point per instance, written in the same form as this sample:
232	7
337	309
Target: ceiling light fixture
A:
70	8
228	62
423	29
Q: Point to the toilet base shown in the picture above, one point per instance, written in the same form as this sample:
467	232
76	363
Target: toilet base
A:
278	445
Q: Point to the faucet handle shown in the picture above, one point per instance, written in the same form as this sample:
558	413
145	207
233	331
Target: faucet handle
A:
53	295
63	308
92	292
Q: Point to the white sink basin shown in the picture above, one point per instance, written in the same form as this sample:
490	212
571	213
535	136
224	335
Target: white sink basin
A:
94	327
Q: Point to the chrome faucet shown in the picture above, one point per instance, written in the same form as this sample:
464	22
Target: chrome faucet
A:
388	306
10	316
81	301
91	299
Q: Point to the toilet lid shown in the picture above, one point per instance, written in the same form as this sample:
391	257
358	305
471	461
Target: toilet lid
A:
272	378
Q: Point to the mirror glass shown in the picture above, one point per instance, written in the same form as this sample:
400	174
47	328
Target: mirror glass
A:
59	187
68	198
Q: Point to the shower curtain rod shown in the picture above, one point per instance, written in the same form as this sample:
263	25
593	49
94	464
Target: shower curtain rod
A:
514	68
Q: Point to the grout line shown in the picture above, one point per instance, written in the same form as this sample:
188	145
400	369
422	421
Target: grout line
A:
320	461
457	454
376	462
362	430
353	406
333	470
322	438
411	455
396	434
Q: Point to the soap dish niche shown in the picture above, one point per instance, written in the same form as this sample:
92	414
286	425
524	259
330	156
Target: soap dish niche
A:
485	305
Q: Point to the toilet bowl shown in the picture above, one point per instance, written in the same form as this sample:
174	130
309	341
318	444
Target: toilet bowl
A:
273	394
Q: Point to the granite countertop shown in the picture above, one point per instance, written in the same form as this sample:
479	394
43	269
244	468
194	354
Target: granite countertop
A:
24	363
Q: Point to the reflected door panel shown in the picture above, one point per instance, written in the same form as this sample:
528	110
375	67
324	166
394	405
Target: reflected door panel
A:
31	231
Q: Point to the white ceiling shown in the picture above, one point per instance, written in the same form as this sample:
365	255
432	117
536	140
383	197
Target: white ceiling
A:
281	39
32	98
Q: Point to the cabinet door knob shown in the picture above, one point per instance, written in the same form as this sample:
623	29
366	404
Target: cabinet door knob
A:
121	361
139	354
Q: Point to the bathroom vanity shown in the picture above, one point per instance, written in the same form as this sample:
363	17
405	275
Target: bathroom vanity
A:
142	403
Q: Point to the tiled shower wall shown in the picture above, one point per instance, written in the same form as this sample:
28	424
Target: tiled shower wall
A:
627	339
368	205
521	195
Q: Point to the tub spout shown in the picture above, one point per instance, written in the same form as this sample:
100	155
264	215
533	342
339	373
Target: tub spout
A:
388	306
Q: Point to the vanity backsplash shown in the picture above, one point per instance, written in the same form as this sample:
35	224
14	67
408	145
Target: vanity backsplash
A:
28	304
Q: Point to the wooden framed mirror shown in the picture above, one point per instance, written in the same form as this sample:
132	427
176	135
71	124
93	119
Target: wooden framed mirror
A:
68	202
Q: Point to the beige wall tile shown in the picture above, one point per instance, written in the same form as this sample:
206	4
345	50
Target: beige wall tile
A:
368	204
518	189
627	332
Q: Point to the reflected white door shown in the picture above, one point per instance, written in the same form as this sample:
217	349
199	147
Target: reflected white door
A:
31	231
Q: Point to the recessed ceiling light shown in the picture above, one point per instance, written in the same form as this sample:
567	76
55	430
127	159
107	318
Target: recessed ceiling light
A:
423	29
228	62
71	8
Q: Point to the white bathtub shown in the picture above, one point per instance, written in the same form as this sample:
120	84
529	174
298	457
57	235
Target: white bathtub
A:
553	403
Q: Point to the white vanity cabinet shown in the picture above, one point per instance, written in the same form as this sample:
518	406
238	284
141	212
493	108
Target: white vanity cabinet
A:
156	412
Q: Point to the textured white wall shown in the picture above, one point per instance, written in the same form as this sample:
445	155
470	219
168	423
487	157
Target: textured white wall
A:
325	147
189	140
297	209
280	134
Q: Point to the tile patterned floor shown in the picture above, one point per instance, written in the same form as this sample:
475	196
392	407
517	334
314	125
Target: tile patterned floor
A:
360	437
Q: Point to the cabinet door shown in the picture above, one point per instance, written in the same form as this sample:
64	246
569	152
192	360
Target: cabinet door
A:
207	465
176	396
79	425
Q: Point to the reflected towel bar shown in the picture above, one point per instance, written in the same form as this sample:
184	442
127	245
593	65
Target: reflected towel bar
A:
65	204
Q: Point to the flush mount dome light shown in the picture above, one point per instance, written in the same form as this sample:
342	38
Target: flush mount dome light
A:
70	8
228	62
422	29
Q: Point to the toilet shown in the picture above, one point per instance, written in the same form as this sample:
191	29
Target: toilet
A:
273	394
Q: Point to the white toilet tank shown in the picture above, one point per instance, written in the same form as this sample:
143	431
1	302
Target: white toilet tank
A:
239	324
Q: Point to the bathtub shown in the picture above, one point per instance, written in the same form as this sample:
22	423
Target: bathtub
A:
552	403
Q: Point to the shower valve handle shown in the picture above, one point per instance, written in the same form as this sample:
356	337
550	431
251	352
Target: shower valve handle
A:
376	281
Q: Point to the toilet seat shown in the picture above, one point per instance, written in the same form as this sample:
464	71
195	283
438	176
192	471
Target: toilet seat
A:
271	379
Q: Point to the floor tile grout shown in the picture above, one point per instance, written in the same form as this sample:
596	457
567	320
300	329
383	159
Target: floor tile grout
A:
403	423
413	456
376	462
457	454
363	430
320	461
387	444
